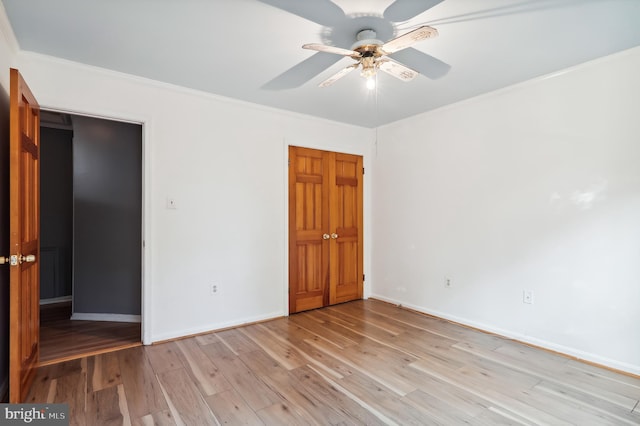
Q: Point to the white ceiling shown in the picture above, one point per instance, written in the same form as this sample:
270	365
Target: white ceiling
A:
249	49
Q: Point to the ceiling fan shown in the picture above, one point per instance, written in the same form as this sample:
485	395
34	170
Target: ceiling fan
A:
370	55
395	57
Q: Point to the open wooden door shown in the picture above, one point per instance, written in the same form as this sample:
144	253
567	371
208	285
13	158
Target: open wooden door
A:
24	229
325	228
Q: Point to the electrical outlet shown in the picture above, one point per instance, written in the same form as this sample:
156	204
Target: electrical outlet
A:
447	282
527	297
214	288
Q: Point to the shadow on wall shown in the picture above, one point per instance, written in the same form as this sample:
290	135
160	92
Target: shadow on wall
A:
4	243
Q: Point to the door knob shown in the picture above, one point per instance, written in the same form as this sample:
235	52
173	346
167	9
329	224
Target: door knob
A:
15	260
334	236
325	236
28	258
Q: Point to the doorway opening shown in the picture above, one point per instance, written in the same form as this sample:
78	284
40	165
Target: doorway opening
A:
91	235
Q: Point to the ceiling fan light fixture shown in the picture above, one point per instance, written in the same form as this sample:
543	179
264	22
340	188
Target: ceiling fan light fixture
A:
369	67
368	73
371	83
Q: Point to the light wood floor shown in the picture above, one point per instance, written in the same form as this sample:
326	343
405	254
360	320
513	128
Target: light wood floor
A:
63	339
364	362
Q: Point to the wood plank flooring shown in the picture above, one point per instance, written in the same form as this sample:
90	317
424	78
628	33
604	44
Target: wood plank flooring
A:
364	362
64	339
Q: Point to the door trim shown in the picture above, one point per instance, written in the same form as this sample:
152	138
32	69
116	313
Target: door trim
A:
366	250
145	279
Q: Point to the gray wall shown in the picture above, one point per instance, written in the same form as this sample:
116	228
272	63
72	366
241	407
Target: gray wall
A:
56	212
107	182
4	239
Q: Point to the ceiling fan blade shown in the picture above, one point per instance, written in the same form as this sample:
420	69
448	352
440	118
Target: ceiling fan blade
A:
409	39
337	76
323	12
425	64
397	70
403	10
299	74
330	49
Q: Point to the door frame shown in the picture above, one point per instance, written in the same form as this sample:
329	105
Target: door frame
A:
365	150
145	255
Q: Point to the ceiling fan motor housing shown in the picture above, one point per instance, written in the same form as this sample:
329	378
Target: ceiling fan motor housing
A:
366	34
366	42
368	46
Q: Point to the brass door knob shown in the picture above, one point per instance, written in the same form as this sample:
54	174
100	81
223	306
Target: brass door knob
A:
28	258
15	260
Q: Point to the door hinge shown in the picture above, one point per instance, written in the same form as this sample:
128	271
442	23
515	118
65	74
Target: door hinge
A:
362	277
288	161
363	170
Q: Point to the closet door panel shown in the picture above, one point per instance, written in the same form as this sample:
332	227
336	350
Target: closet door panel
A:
308	223
346	263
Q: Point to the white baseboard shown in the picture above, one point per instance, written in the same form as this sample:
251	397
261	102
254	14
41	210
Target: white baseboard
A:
564	350
55	300
81	316
214	327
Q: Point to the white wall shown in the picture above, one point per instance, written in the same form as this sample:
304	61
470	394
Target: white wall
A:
224	162
533	187
8	49
7	55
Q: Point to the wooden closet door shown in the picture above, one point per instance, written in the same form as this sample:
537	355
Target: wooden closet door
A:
308	229
325	228
346	266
